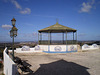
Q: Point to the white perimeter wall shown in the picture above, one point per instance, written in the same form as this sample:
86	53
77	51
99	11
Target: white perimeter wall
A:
63	47
19	50
90	47
52	48
10	68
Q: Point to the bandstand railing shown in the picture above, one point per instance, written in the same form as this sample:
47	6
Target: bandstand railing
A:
45	42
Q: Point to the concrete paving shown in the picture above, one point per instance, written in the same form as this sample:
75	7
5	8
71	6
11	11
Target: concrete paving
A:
79	63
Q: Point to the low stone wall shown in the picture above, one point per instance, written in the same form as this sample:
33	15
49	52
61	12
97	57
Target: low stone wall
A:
90	47
30	50
48	48
58	48
10	68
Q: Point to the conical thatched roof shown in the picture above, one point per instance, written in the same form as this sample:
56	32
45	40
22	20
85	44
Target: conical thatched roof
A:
57	28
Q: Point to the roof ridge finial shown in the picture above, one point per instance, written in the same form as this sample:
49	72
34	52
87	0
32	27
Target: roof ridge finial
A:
56	20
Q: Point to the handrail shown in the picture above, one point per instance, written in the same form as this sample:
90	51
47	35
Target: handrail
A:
45	42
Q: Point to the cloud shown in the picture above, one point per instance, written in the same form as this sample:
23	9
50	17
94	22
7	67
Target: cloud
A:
99	2
31	35
5	0
87	6
82	34
35	34
6	26
26	11
98	36
18	6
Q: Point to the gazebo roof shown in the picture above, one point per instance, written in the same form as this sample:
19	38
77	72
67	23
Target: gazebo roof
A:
57	28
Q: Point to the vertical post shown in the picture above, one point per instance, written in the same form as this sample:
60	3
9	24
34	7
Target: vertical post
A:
48	41
13	33
66	41
50	37
13	47
63	37
76	37
66	37
73	37
38	38
41	36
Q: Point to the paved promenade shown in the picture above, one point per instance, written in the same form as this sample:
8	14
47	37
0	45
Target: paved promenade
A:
79	63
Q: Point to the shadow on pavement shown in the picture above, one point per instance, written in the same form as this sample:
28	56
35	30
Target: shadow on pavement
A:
61	67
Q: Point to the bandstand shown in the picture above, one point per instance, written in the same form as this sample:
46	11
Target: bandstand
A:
64	46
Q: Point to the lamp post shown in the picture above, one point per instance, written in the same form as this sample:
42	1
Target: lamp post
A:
13	33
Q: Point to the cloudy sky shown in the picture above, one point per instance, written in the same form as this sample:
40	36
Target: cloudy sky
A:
32	15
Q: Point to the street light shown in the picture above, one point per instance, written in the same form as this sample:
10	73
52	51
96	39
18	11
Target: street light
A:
13	33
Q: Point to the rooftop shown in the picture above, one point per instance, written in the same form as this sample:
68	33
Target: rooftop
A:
58	28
